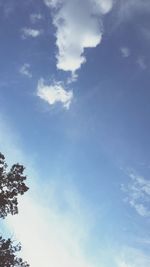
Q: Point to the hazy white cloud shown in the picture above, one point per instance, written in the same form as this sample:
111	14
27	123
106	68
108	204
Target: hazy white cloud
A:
125	51
48	236
55	93
138	194
78	26
25	70
29	32
35	17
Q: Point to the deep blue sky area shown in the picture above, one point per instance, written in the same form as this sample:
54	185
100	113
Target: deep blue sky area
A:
74	108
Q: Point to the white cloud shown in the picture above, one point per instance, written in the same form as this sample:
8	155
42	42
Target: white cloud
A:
29	32
55	93
125	51
78	26
35	17
25	70
138	194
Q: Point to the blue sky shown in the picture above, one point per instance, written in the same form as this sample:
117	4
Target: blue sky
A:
74	94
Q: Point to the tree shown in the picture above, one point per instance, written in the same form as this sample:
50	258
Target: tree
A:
7	254
12	184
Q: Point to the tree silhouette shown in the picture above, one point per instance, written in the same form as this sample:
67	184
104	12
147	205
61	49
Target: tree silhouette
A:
7	254
11	185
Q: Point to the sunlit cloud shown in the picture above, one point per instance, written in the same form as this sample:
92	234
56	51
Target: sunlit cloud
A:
74	35
55	93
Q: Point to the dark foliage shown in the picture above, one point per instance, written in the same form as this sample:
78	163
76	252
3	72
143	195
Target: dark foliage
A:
7	254
11	185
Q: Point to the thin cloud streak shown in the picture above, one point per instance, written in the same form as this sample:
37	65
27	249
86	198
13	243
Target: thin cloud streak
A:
138	194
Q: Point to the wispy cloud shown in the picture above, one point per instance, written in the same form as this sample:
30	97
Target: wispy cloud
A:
131	257
29	32
125	52
145	32
35	17
25	70
129	8
78	26
138	194
72	78
55	93
141	63
7	7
